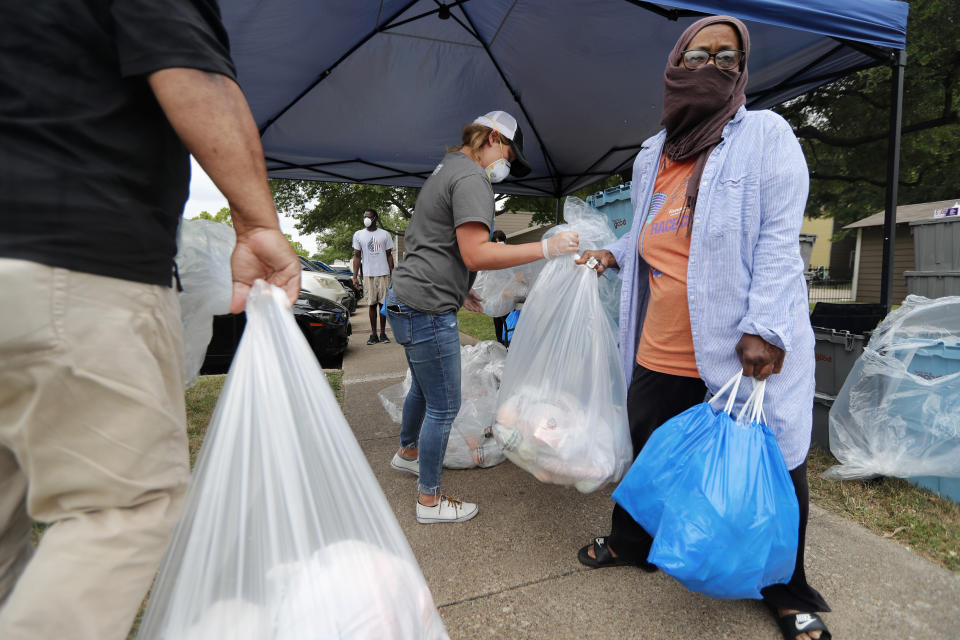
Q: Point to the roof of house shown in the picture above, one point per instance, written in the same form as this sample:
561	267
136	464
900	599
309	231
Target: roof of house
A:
515	222
905	213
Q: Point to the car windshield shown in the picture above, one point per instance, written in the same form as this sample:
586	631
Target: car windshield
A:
322	265
309	266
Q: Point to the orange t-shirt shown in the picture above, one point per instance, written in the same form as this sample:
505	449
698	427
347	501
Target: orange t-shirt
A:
666	344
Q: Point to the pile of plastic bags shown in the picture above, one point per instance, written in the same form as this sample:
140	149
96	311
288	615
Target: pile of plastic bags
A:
562	405
203	265
898	412
285	533
471	442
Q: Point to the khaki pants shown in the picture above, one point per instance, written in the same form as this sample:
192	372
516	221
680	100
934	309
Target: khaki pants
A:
375	288
92	442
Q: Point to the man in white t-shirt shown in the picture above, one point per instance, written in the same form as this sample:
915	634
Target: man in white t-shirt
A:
371	249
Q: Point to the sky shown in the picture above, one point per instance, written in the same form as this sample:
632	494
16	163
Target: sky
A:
204	196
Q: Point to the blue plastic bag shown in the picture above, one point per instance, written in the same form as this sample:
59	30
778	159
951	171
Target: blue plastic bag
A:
715	494
509	325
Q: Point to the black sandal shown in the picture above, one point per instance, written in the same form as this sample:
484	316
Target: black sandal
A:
603	557
793	624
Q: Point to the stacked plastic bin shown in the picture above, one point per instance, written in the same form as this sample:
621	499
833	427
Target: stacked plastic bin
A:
841	331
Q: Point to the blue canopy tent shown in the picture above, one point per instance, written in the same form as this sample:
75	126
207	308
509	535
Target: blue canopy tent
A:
373	91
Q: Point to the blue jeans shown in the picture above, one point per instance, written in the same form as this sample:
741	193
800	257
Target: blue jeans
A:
432	345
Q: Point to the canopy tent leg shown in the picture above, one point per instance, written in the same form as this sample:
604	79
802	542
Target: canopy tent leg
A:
893	178
559	210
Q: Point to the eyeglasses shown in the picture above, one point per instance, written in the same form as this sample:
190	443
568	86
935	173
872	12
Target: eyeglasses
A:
725	58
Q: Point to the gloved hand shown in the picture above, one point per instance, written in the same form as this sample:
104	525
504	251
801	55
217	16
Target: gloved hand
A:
560	243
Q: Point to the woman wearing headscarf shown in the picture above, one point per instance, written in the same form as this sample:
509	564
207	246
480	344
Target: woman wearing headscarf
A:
713	280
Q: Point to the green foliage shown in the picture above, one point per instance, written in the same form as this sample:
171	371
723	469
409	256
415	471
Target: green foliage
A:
843	126
545	209
334	211
297	246
221	216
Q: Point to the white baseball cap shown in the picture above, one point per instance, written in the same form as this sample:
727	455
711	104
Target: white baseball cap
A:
506	125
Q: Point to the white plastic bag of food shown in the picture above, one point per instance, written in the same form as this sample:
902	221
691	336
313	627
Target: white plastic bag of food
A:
501	290
562	412
471	442
898	412
203	265
285	532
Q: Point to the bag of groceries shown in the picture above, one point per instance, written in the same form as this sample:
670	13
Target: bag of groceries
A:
471	442
562	411
285	533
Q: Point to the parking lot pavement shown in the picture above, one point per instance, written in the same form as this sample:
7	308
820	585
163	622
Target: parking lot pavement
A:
512	571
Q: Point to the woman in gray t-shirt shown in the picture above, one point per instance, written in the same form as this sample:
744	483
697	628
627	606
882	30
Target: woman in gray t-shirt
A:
447	241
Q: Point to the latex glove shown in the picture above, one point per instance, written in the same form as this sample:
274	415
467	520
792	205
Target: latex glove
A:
758	357
605	260
473	302
560	243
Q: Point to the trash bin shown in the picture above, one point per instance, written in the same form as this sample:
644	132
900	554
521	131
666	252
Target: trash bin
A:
936	244
933	284
807	240
820	435
855	318
835	352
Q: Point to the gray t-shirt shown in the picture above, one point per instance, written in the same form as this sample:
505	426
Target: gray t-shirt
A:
432	276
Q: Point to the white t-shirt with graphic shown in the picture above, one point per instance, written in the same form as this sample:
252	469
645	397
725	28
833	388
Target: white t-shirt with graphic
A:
373	247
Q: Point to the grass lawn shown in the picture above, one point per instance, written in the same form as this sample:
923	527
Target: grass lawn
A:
478	325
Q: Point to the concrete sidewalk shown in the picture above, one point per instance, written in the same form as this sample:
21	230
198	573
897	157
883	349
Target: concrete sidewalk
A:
512	571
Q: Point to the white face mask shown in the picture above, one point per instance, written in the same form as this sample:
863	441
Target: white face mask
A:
499	170
501	242
367	222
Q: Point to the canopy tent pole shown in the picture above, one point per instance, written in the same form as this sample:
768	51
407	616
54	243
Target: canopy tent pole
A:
893	177
559	210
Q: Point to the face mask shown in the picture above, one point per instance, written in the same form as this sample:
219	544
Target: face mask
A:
499	170
501	242
367	222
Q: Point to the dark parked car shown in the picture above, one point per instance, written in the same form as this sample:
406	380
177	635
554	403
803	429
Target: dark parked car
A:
345	276
325	324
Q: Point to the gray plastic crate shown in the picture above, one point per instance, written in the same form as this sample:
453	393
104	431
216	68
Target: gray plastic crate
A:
936	244
820	435
835	353
933	284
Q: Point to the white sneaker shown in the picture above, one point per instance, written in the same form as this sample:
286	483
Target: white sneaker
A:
404	464
447	510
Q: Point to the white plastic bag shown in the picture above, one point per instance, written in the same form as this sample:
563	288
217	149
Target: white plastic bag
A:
471	442
502	289
898	412
285	533
203	264
562	405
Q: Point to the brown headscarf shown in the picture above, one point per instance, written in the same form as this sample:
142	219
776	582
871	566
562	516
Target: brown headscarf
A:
697	104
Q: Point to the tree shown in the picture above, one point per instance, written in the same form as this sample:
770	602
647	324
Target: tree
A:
221	216
297	246
333	210
843	126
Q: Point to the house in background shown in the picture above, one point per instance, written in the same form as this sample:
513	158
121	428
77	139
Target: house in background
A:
868	254
823	229
519	227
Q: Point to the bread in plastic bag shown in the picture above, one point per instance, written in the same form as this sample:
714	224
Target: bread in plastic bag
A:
471	442
204	248
898	412
562	403
285	533
716	495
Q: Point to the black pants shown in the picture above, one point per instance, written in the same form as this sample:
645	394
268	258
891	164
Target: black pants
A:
654	398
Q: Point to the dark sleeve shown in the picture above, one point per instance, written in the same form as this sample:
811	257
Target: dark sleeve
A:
153	35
